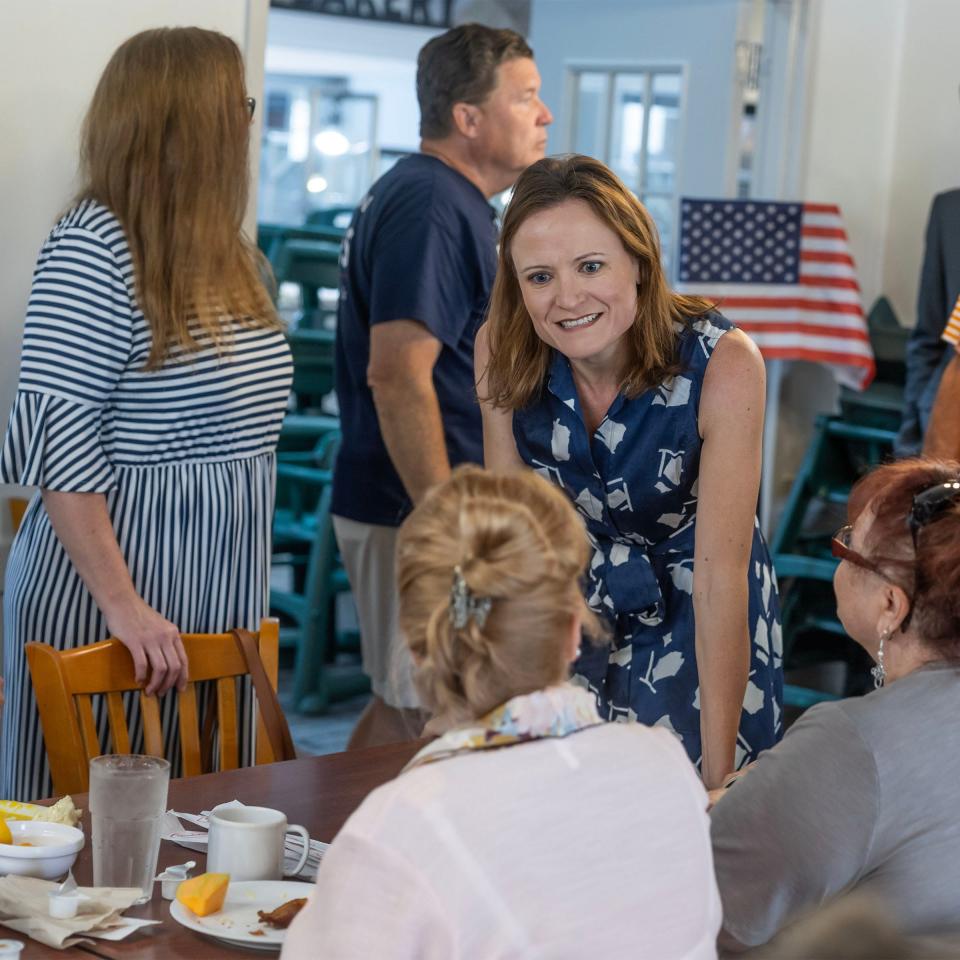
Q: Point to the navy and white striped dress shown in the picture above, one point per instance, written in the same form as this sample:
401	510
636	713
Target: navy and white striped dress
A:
184	456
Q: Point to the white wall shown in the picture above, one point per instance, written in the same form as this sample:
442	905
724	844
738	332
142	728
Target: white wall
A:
700	34
926	143
883	134
853	82
51	55
881	137
378	58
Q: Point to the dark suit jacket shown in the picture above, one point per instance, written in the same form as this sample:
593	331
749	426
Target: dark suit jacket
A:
927	354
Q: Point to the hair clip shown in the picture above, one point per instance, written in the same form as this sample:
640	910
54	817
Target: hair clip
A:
464	605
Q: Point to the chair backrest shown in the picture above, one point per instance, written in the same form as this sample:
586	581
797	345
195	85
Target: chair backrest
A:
332	218
66	682
312	264
313	353
18	507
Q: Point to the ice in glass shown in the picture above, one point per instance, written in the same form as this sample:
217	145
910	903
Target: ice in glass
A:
128	795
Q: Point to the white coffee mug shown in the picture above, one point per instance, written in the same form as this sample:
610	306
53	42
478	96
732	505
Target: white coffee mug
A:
248	842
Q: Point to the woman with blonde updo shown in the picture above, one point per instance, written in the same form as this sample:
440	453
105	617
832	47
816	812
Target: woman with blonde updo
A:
505	837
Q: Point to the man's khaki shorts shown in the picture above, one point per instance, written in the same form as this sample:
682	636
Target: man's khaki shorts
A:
368	552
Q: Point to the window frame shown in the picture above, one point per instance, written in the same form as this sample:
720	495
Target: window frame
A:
647	69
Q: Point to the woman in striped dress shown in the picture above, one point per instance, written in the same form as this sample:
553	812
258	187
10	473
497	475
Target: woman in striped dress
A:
153	381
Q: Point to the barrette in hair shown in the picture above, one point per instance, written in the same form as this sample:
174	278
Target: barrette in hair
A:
464	605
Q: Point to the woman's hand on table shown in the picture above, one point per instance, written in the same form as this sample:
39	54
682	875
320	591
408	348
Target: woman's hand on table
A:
154	643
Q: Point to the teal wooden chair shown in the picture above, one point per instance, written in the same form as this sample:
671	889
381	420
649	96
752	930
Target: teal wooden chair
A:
331	218
838	455
881	404
313	368
272	236
326	665
311	264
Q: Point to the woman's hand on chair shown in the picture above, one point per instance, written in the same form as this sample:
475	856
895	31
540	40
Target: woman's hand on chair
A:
154	643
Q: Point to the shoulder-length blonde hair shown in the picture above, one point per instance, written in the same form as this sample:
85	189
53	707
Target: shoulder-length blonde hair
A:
165	146
517	541
519	359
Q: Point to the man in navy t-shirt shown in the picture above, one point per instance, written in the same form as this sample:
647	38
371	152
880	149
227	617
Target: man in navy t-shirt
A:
417	267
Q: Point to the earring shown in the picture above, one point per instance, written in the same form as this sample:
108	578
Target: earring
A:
878	672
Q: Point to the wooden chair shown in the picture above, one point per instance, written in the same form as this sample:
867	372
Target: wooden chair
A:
18	507
66	682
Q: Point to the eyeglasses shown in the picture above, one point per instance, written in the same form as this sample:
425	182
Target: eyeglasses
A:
927	506
841	549
930	504
251	106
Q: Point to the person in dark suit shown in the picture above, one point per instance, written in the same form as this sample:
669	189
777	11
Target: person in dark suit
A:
927	353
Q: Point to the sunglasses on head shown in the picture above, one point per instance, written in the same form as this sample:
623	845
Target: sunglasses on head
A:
930	504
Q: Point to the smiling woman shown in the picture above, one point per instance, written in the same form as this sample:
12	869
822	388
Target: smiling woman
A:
646	408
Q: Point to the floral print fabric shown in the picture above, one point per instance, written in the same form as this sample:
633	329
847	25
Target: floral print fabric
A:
635	484
553	712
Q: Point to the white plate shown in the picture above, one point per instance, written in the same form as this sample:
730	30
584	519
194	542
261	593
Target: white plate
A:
237	921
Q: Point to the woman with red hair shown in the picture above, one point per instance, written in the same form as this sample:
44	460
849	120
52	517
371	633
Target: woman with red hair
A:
862	793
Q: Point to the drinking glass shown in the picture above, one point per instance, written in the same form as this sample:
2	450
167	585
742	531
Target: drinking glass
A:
128	796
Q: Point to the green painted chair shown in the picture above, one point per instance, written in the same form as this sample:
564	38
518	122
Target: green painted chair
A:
881	404
838	455
331	218
311	264
313	368
272	236
327	665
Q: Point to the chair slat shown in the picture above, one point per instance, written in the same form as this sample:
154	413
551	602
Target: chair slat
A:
66	753
119	735
227	722
88	729
190	732
152	728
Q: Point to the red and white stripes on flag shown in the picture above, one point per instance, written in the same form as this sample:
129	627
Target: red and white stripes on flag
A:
819	317
951	332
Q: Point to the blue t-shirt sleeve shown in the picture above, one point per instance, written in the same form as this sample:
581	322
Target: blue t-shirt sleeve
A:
425	266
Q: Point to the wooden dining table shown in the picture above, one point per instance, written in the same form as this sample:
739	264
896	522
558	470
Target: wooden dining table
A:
318	792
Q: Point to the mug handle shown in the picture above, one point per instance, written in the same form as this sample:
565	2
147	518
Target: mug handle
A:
305	837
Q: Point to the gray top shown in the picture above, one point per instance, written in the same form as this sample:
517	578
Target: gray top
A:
860	793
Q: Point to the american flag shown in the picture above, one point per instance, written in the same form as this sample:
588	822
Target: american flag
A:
784	274
952	331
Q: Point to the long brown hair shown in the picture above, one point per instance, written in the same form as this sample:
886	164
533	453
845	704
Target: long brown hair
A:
519	359
165	146
517	540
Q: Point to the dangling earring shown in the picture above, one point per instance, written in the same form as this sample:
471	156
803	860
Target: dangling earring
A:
878	672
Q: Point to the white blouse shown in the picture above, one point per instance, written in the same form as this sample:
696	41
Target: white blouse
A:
595	845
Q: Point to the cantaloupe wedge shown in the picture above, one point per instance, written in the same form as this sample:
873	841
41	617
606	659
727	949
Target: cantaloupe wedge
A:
204	894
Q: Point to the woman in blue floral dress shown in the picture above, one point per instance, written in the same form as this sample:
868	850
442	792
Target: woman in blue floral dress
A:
646	407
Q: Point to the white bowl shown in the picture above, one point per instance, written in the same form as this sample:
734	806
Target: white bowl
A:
52	851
